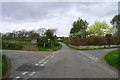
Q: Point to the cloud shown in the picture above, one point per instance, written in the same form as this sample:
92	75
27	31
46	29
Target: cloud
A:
59	15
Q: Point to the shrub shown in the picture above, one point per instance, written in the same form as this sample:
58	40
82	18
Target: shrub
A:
7	45
95	41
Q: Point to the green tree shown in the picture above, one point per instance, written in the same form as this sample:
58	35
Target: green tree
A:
116	24
79	26
50	34
100	29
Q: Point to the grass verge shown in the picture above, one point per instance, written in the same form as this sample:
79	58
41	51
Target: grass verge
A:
86	49
54	48
3	65
113	58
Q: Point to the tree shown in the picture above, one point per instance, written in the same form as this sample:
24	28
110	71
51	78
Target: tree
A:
116	24
41	32
100	29
79	26
33	34
50	35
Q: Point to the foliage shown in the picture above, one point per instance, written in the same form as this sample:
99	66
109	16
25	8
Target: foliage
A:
44	42
13	46
56	46
79	26
4	65
116	24
100	28
50	34
113	58
48	40
86	49
108	35
25	34
95	41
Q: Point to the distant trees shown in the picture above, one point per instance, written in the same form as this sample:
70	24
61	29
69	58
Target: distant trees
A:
79	28
23	33
116	24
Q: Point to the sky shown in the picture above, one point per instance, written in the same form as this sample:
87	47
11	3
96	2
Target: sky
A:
56	15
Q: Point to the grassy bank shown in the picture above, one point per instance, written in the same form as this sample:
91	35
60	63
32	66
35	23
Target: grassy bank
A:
12	46
113	58
3	65
54	48
87	49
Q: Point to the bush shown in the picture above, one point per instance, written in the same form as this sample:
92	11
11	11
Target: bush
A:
95	41
56	44
4	64
6	45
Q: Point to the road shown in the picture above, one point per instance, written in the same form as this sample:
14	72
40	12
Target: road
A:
65	63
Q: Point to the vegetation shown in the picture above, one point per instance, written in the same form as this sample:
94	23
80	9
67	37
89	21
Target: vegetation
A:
95	41
44	38
0	66
79	28
116	24
55	47
4	64
113	58
86	49
12	46
98	34
100	29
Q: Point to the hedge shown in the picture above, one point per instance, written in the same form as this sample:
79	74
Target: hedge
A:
95	41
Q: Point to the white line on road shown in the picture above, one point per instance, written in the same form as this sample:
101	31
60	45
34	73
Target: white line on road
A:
40	62
89	56
36	64
24	73
17	77
31	73
42	65
53	52
45	60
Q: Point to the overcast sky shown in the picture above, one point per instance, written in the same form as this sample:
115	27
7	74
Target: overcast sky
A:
58	15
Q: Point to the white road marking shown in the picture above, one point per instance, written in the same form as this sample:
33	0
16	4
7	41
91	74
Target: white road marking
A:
45	63
51	57
89	56
40	62
48	57
43	60
96	60
24	73
36	64
53	53
42	65
17	77
32	74
47	60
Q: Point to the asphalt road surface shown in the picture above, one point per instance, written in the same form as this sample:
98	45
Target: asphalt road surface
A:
65	63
